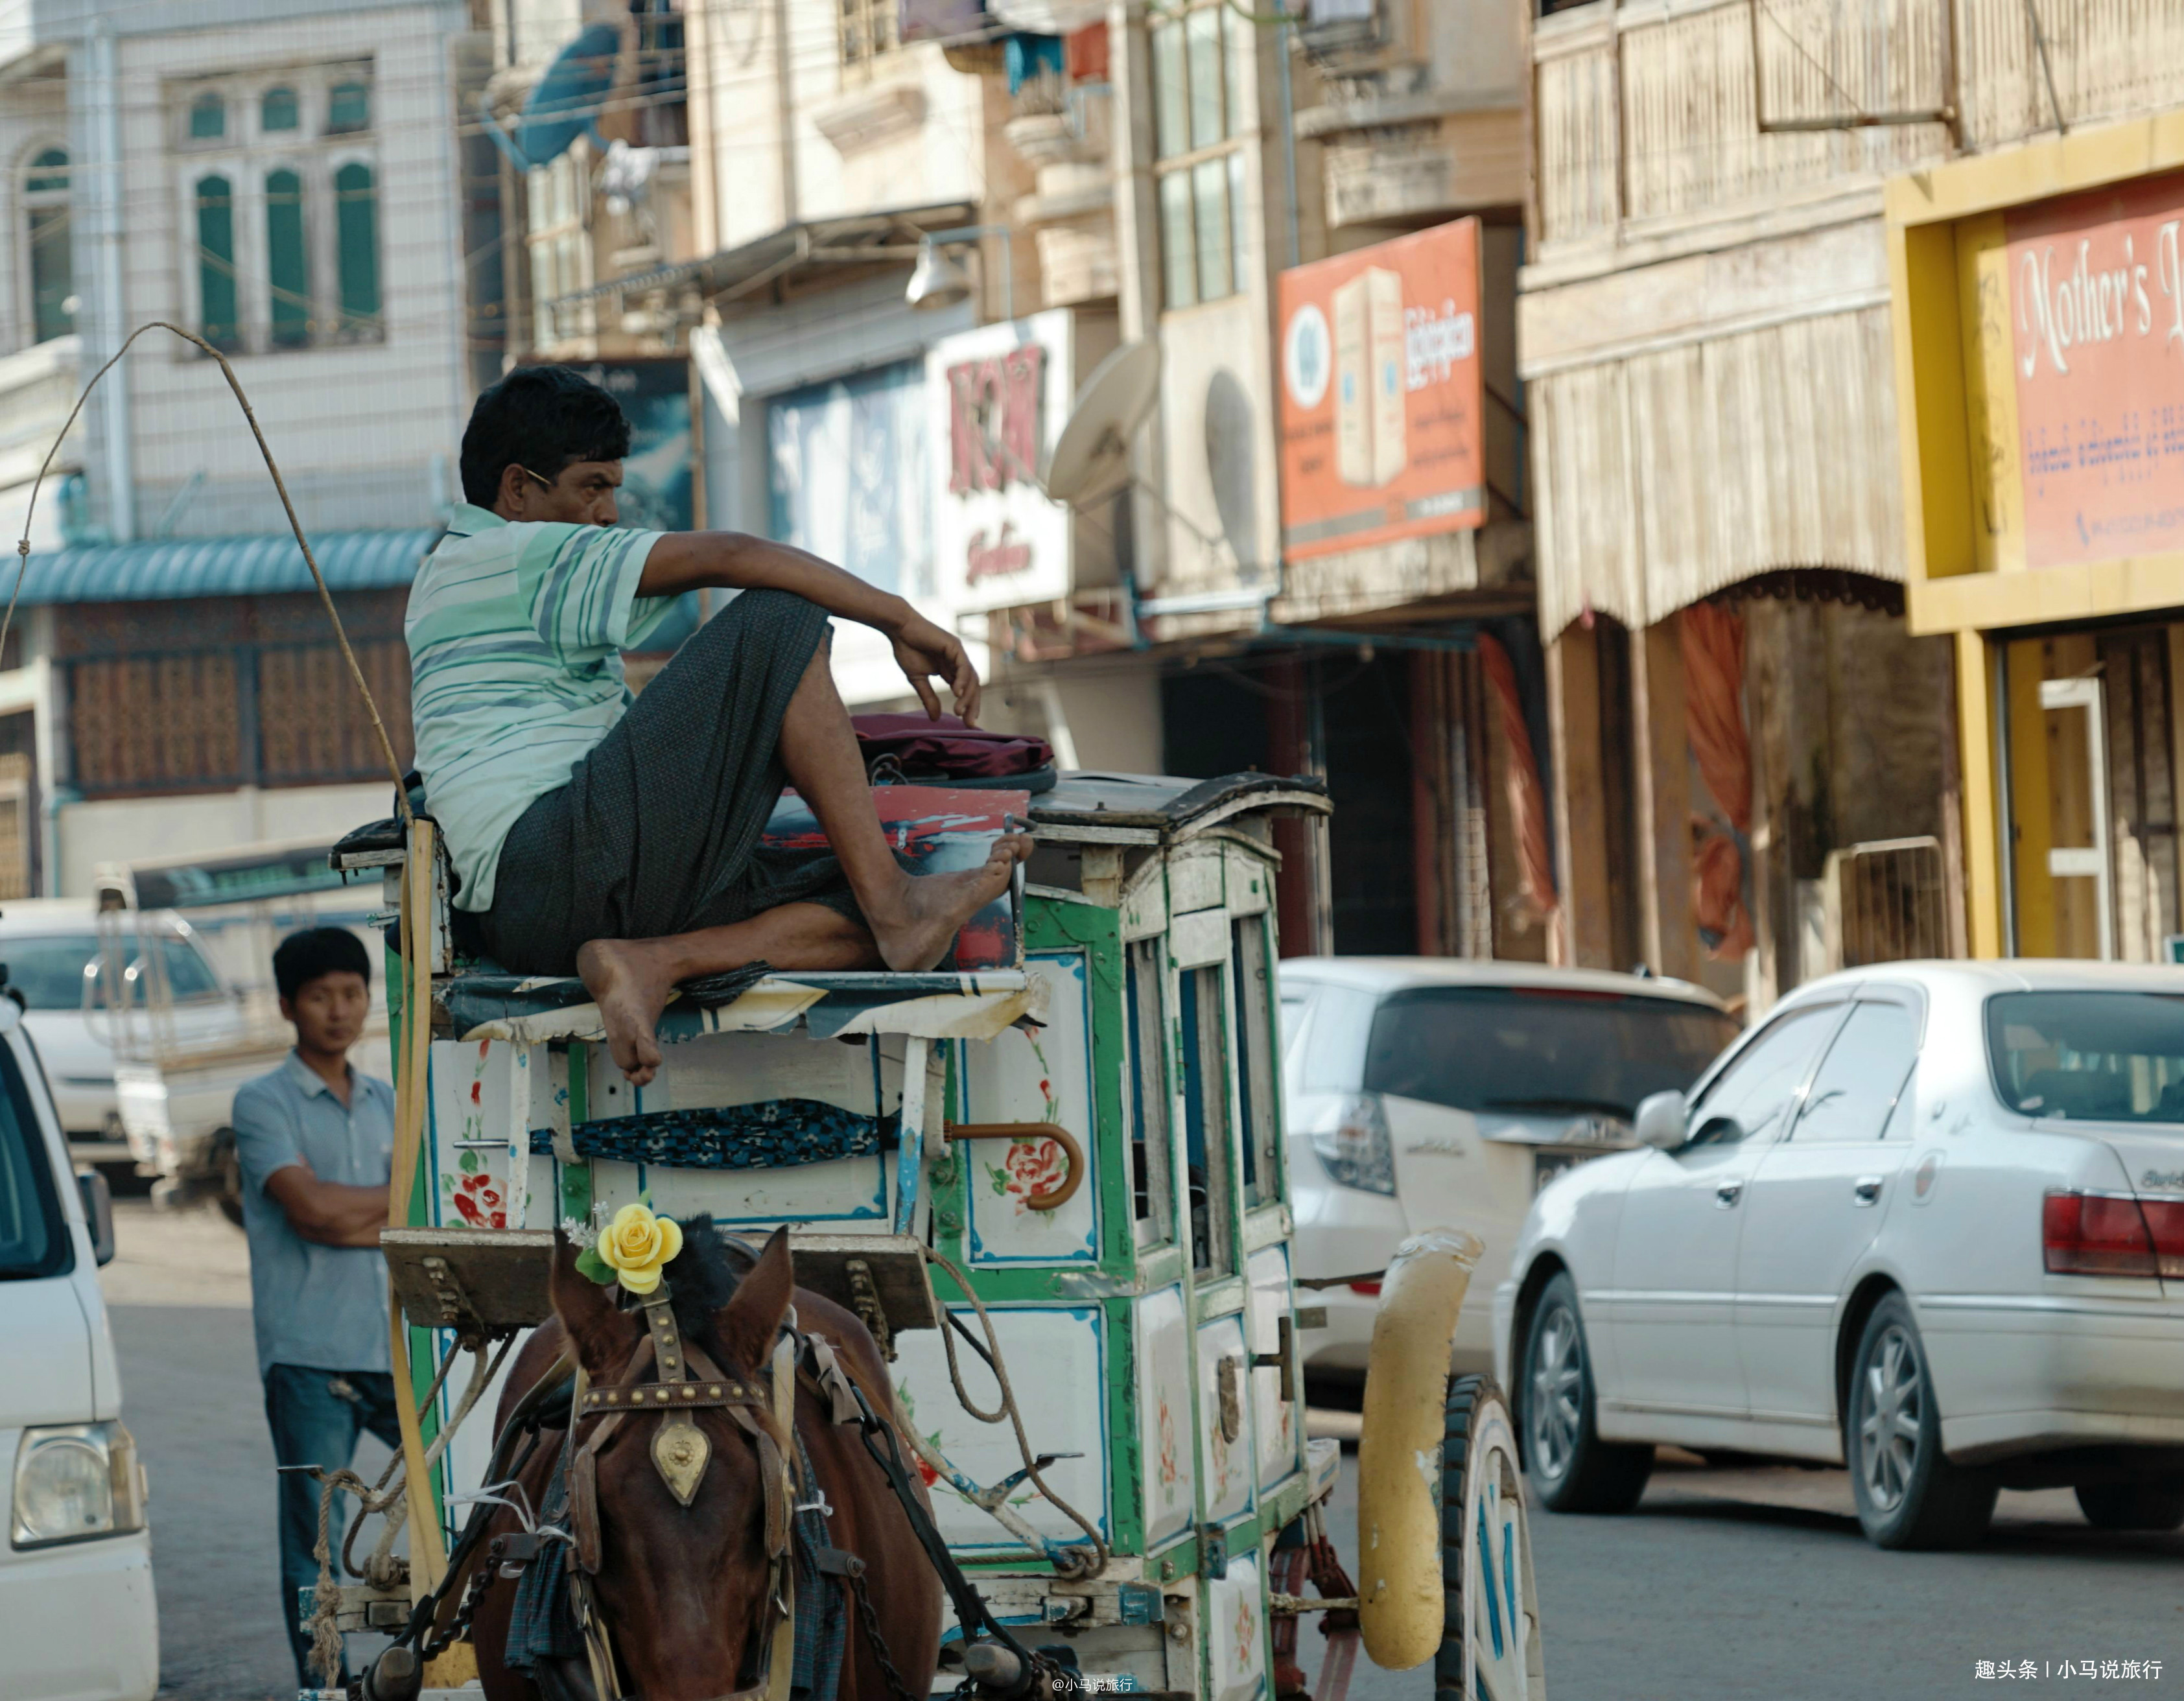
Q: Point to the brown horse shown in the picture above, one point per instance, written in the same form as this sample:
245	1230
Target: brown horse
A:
682	1588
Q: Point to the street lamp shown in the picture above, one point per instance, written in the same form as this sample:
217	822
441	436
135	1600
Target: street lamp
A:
939	281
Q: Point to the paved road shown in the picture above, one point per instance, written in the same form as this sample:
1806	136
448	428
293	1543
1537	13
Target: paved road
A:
1725	1586
1732	1585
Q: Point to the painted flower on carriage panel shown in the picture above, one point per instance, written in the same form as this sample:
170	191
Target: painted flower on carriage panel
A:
1031	1169
635	1245
474	1196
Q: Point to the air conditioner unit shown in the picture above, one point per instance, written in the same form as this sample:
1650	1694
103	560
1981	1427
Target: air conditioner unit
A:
1884	902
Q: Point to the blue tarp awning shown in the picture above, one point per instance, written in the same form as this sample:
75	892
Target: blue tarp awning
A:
261	565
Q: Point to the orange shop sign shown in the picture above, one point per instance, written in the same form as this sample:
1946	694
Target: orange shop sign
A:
1381	394
2096	300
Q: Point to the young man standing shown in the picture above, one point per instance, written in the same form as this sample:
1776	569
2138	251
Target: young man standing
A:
619	840
316	1142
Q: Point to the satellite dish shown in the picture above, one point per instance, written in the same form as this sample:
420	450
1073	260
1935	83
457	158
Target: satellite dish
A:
1091	458
1229	420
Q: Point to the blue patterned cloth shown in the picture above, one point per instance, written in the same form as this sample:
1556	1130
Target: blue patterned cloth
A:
776	1135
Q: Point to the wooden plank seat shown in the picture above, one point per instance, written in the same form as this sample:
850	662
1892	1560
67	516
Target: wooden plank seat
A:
960	1005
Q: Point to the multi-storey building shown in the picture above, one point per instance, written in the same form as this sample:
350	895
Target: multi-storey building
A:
280	181
1753	226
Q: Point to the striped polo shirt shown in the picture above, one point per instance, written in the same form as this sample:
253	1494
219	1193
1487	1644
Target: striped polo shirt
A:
515	639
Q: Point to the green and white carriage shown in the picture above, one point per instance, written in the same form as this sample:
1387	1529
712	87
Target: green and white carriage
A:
1077	1144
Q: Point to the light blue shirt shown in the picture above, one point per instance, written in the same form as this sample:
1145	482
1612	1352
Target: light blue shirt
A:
516	639
323	1308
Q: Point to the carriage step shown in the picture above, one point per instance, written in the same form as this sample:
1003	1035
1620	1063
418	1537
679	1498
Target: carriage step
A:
487	1282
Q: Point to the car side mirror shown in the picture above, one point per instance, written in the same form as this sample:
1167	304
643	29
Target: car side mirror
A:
1661	1119
97	1214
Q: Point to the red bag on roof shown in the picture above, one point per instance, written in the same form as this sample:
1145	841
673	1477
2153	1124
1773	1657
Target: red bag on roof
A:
913	747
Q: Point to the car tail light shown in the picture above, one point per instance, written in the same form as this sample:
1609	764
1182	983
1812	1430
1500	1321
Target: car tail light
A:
2164	1221
2103	1234
1357	1150
1370	1289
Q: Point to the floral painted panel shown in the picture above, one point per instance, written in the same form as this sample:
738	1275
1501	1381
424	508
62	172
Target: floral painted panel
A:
1041	1075
1164	1420
1236	1632
1268	1273
481	1097
1056	1358
1225	1465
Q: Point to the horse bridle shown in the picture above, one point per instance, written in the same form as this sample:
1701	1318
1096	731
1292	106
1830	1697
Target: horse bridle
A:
680	1453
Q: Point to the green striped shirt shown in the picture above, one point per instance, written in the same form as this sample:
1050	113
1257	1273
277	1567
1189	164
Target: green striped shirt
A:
516	639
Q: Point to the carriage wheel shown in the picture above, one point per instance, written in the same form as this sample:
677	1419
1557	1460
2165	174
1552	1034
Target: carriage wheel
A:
1489	1648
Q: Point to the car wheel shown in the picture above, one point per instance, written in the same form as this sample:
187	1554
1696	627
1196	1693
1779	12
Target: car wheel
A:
2131	1505
1571	1468
1909	1495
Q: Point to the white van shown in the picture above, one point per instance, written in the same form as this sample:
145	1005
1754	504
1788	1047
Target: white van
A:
78	1620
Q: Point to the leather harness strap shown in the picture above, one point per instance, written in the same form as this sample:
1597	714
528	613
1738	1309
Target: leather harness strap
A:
680	1453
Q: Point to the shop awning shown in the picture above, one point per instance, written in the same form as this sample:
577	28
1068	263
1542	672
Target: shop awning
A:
171	567
866	239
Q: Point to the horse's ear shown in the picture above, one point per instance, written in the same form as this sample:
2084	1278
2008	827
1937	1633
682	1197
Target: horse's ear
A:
603	1337
749	1322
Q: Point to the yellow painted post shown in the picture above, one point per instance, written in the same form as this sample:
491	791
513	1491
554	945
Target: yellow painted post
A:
1400	1605
1982	824
427	1558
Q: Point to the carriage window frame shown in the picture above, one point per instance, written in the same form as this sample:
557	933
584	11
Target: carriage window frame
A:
1202	1030
1258	1087
1152	1151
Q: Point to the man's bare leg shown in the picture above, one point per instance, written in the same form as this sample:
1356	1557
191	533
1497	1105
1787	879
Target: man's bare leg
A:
913	918
630	979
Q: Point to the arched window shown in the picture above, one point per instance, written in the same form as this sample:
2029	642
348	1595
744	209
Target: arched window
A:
356	225
208	117
53	272
287	272
277	110
217	319
349	109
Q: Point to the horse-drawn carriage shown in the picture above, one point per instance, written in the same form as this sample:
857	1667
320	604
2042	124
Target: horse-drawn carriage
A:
1037	1209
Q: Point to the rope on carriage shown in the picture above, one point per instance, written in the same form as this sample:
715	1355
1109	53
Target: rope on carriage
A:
1071	1561
325	596
378	1499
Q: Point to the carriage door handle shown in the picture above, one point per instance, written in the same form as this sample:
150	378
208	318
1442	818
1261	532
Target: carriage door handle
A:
1866	1189
1727	1194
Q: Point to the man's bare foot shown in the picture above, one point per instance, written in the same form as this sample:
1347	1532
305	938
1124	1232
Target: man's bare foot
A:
931	909
630	982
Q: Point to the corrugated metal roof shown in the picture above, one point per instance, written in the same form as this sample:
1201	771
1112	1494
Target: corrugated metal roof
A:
262	566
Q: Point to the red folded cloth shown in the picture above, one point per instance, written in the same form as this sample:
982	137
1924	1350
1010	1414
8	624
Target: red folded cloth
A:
947	747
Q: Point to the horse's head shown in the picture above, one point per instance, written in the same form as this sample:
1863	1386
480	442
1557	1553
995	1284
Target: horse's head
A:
682	1588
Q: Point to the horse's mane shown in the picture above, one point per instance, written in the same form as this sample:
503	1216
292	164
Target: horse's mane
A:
705	1275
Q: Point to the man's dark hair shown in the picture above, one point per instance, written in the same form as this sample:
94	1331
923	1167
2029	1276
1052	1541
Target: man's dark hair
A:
545	418
303	956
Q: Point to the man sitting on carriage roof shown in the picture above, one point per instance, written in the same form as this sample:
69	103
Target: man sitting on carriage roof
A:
618	839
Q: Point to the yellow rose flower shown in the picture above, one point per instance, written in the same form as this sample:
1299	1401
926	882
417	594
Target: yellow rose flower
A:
636	1244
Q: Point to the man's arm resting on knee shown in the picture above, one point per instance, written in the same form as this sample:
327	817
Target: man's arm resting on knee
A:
733	561
331	1213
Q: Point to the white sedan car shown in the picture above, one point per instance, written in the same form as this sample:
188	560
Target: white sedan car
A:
1429	1092
1926	1221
